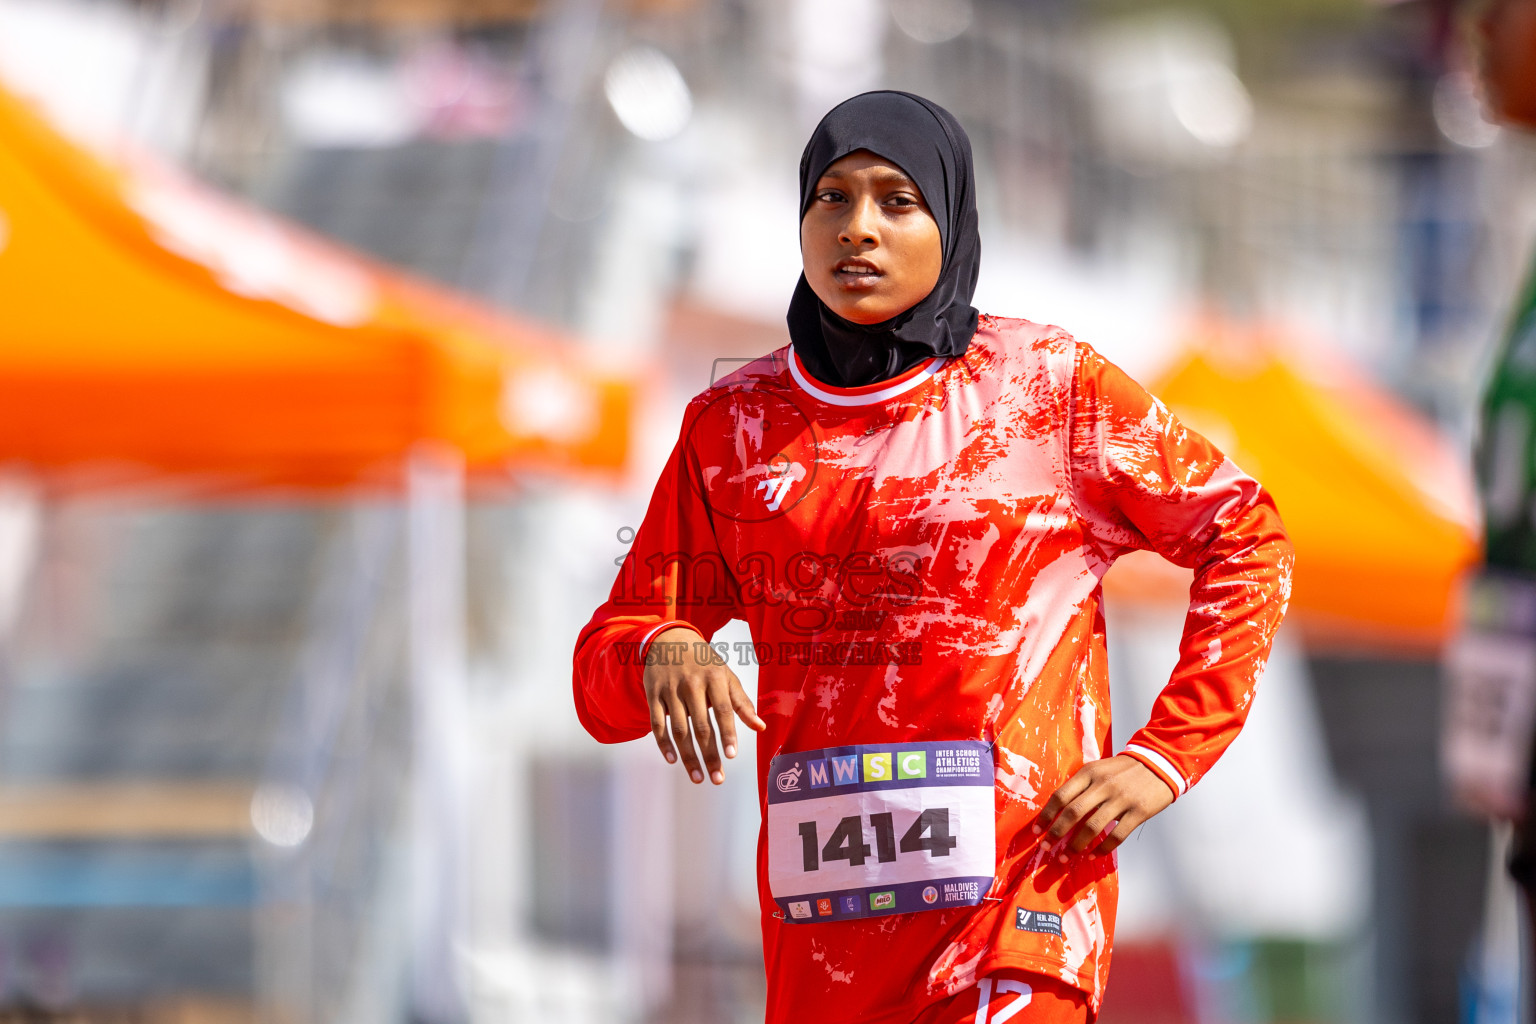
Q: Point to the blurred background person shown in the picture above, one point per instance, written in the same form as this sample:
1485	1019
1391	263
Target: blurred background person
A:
1491	702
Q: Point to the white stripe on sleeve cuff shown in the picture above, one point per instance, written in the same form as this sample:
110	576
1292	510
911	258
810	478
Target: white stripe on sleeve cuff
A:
1159	762
645	644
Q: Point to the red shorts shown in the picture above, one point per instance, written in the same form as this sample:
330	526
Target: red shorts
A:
1011	997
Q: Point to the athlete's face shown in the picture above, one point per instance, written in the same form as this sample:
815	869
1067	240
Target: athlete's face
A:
871	247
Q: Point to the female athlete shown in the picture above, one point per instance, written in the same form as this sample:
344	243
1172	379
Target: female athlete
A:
912	505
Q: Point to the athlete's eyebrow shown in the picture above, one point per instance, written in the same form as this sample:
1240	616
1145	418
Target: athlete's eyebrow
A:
890	176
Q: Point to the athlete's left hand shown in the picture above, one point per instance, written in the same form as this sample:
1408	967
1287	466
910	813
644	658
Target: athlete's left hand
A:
1116	791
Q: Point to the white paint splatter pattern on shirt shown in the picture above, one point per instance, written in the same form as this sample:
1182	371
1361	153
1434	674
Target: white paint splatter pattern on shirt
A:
1008	483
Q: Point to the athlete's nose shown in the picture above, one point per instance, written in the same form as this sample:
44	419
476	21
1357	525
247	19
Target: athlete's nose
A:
859	228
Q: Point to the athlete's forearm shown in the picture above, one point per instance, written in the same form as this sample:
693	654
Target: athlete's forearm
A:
1145	480
673	575
1241	587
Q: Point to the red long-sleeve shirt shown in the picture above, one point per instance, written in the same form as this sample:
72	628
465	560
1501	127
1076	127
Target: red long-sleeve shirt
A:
920	560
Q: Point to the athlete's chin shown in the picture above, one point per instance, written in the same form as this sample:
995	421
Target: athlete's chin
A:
862	302
866	309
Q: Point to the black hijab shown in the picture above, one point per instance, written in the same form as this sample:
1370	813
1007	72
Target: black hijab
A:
925	141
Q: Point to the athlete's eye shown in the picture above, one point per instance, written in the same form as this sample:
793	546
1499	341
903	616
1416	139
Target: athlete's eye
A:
829	195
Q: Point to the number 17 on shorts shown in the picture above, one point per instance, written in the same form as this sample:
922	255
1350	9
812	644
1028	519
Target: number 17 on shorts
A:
863	831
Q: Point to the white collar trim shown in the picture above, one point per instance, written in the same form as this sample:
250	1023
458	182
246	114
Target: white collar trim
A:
866	398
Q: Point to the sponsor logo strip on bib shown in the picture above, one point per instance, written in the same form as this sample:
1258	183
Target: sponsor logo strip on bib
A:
864	831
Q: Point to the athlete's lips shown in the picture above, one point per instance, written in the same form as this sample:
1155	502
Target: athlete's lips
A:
857	273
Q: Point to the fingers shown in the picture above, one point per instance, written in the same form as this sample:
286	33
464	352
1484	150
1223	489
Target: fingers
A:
1069	827
725	722
743	705
1051	816
1121	832
682	735
696	737
723	695
1096	823
701	700
1100	806
704	731
659	730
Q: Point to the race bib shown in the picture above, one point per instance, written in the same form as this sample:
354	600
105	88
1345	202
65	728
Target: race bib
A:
1490	696
880	829
1489	707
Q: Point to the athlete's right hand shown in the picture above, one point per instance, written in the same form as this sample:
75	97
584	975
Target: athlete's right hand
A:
683	687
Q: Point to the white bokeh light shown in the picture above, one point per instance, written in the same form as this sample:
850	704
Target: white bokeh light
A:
1459	113
1166	90
932	21
549	404
648	93
338	99
1212	105
830	66
282	815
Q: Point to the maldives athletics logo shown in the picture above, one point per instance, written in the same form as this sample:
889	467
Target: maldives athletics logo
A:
752	453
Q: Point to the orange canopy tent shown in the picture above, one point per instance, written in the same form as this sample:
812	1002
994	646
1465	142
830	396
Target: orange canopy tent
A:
152	331
150	324
1378	504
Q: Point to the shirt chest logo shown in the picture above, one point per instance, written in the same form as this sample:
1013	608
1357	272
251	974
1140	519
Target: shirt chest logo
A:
781	478
754	454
